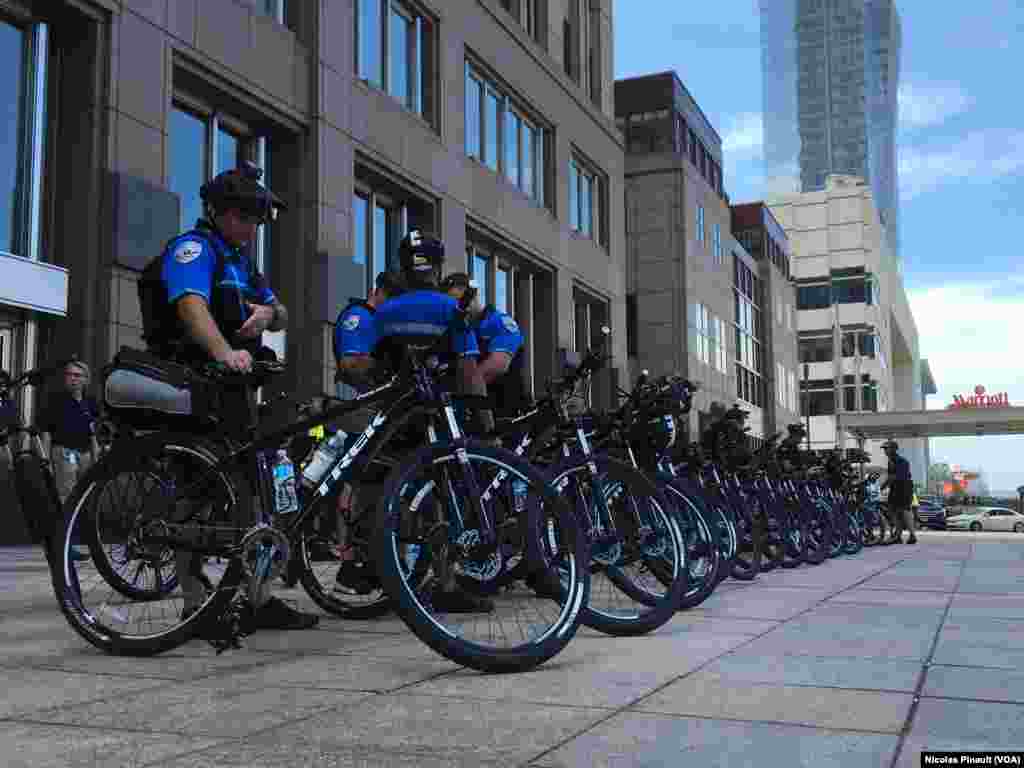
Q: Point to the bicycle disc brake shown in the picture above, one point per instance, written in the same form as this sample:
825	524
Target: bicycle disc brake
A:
479	570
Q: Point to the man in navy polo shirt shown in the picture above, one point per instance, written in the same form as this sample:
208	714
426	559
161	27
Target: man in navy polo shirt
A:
69	428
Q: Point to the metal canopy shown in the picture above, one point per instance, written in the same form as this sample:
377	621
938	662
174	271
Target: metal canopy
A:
951	422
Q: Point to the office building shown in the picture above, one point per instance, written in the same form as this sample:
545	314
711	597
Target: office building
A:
831	73
487	121
857	340
696	297
757	230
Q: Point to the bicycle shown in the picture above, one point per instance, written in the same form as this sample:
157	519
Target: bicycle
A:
260	552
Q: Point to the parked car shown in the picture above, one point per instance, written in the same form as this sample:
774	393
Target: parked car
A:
986	519
931	515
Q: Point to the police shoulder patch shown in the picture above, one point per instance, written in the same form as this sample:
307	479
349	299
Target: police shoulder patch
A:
188	251
509	324
351	322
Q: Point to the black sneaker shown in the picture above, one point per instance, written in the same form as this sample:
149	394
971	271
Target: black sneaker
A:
353	577
460	601
277	614
543	588
912	540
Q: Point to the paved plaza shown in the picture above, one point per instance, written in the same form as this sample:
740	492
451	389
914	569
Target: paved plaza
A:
862	661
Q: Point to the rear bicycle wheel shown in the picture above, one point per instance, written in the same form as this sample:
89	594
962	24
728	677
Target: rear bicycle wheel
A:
92	596
521	630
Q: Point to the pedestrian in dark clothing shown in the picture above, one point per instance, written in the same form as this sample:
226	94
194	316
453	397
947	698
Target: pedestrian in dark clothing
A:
68	423
901	493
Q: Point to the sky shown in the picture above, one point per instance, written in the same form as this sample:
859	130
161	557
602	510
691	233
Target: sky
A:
960	153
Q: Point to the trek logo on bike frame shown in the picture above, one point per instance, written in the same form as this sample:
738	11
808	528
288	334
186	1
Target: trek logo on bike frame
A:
350	455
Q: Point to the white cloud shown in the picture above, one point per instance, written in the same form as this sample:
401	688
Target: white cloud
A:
922	105
744	134
969	332
981	156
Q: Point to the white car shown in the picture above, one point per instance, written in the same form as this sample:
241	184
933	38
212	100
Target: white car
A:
987	519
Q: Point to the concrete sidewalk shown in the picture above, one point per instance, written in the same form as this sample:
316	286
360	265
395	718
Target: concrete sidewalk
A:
863	661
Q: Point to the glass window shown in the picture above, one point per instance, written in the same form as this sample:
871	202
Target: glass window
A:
700	224
187	166
394	51
369	28
586	204
529	137
227	152
849	291
492	108
474	93
512	125
400	47
12	51
813	296
868	344
360	212
381	225
502	282
574	183
717	244
480	273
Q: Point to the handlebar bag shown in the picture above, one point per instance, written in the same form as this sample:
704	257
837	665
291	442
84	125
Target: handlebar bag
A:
147	392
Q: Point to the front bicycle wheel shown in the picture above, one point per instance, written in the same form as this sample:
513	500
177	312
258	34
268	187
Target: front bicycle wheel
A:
426	504
637	551
133	496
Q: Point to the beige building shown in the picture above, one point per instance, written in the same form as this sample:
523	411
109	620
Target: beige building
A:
696	298
856	332
487	121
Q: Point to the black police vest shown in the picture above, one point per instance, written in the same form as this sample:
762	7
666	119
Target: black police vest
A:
163	331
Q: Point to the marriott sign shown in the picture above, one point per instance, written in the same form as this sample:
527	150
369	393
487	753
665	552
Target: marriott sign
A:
981	399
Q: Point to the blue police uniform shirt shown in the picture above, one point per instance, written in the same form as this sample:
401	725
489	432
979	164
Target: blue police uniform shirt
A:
189	266
425	313
355	332
498	332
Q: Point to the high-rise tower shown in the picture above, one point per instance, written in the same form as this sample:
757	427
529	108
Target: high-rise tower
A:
831	75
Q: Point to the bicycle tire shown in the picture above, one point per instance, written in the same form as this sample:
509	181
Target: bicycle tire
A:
417	616
660	608
64	574
703	540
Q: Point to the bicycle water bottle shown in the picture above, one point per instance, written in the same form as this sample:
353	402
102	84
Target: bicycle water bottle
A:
286	497
323	457
412	555
519	489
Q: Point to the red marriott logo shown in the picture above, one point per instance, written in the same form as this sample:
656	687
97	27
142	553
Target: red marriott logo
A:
981	400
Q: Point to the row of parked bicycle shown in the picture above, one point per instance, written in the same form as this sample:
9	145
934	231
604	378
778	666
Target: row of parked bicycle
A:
565	516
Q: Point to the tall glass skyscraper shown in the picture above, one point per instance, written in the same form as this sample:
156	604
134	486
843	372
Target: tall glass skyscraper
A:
831	73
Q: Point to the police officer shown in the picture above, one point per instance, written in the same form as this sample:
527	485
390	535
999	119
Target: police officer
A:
422	312
203	300
354	339
502	357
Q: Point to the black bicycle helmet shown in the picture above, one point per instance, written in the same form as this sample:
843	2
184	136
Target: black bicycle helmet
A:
240	188
420	253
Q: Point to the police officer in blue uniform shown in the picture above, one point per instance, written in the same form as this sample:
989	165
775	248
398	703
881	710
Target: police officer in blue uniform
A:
502	356
422	313
202	299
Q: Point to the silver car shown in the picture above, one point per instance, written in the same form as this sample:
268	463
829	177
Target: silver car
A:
986	519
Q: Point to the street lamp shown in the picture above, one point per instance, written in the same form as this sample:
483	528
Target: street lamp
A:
807	403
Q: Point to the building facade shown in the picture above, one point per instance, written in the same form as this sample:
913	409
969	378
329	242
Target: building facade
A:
489	122
830	73
698	300
757	230
858	343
